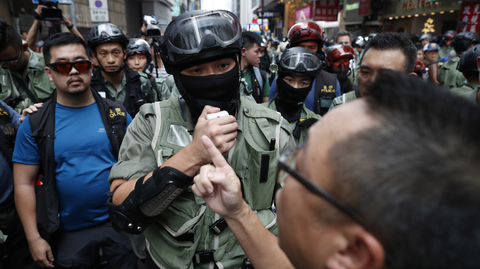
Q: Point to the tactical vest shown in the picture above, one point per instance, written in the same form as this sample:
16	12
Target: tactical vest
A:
135	96
325	87
256	80
42	125
7	134
188	234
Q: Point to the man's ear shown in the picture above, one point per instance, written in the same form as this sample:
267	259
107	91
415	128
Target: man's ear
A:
361	251
413	74
49	73
243	51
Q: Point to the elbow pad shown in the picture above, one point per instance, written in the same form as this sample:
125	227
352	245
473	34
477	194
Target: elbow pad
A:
148	200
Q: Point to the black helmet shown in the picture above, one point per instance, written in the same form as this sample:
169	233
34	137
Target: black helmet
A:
200	34
463	40
106	32
138	46
299	61
468	60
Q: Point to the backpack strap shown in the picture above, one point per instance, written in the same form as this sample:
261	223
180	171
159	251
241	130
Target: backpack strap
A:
325	87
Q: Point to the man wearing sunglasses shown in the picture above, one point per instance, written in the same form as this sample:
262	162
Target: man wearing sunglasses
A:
114	80
71	142
372	202
22	74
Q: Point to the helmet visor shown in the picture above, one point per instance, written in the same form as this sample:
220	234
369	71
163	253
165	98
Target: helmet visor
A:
213	29
105	30
300	62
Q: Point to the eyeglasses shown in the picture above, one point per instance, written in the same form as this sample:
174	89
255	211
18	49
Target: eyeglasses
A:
13	62
286	167
66	67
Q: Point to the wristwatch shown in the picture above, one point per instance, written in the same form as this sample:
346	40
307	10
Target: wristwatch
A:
70	27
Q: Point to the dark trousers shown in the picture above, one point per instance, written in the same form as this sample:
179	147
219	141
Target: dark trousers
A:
80	249
14	252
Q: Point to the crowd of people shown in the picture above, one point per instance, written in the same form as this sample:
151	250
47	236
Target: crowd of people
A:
212	147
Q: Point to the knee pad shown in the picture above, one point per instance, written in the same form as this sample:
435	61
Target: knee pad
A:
148	200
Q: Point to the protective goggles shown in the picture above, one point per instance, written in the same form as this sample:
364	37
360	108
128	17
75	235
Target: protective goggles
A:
300	62
191	35
66	67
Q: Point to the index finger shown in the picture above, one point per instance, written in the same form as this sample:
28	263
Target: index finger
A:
217	157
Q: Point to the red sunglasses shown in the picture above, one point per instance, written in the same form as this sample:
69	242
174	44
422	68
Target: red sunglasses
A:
66	67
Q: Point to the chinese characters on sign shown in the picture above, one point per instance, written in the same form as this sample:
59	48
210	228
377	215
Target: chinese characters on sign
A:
428	26
364	7
99	11
470	14
326	10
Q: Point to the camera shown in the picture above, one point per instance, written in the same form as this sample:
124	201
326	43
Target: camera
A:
153	31
50	12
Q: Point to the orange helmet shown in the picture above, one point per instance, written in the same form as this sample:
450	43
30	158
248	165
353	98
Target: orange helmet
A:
305	31
338	51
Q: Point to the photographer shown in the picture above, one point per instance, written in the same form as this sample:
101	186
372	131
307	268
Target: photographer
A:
33	32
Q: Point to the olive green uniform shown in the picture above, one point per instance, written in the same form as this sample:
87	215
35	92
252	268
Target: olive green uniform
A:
442	53
119	94
34	77
344	98
157	133
305	114
472	96
465	88
449	76
165	87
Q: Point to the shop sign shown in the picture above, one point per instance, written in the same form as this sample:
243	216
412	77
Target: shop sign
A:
268	14
410	5
326	10
353	6
252	27
364	7
470	14
304	13
428	26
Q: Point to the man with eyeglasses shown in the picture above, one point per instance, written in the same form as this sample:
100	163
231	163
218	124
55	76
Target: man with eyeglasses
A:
72	143
372	202
23	78
391	51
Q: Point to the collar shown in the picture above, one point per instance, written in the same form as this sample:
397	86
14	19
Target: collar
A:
123	82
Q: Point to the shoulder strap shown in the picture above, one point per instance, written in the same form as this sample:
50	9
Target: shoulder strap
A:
135	96
114	117
98	83
24	87
325	87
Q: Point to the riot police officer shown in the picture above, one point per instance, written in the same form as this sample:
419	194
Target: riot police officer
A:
297	68
326	86
201	49
448	75
468	66
114	80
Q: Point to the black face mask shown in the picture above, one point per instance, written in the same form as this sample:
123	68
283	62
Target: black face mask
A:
342	73
289	100
220	91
